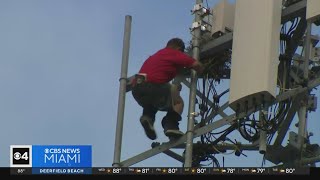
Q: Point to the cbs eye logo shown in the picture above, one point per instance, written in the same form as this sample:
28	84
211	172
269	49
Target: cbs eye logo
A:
20	155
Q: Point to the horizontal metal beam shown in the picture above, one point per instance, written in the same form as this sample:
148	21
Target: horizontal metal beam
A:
312	160
174	155
228	146
216	45
293	92
152	152
293	11
172	144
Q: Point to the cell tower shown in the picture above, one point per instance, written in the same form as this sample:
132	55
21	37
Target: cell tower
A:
267	53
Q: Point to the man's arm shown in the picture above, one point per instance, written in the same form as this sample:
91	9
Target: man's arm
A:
185	60
198	66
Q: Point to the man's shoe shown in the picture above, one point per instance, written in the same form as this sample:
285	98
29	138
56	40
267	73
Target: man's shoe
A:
147	124
173	133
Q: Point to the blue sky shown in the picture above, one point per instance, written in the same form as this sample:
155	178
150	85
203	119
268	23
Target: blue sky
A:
60	67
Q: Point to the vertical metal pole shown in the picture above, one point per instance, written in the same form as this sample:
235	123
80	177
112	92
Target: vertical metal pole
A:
302	112
193	89
307	50
122	91
263	134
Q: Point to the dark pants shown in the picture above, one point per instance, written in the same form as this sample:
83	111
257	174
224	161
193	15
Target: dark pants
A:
156	97
153	96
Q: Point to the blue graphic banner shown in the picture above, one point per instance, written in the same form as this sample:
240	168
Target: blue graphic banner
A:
61	156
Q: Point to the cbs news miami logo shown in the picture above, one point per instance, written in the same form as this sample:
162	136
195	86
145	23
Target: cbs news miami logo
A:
51	156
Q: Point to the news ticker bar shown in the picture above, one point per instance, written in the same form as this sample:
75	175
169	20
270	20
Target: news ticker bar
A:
163	171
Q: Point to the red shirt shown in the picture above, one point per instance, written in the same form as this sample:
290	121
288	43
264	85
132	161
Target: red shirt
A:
163	66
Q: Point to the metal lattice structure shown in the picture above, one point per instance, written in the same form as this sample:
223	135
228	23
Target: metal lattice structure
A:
265	125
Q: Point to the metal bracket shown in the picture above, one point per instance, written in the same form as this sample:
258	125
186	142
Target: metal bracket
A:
199	8
202	25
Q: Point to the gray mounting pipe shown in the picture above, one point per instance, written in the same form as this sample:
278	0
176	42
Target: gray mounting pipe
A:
122	91
263	134
302	112
193	90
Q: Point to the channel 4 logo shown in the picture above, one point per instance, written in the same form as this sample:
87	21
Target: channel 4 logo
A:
20	156
51	156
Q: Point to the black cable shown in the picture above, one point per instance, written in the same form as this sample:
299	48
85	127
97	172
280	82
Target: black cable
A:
293	26
214	161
